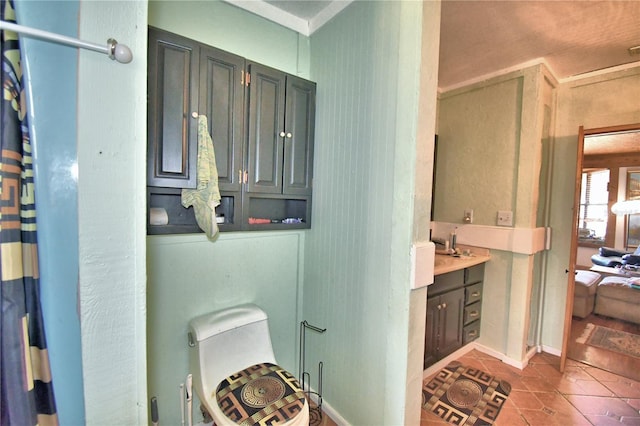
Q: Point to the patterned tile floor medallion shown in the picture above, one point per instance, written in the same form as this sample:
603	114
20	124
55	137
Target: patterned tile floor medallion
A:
465	396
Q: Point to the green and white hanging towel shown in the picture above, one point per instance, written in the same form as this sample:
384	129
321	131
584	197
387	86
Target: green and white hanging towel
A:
206	196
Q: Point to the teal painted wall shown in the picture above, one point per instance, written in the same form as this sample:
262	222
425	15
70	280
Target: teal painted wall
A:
489	159
229	28
483	119
599	101
51	72
190	275
356	284
357	276
478	137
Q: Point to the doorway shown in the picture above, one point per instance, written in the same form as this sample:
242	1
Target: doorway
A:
614	151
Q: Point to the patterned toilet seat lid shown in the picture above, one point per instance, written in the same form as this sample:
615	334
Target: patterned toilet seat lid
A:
261	394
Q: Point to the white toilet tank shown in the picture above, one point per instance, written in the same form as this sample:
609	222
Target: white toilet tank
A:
226	342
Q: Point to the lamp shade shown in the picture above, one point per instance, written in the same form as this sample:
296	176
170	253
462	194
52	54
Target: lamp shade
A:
626	207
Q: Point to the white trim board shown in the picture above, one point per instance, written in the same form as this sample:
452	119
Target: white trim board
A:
516	240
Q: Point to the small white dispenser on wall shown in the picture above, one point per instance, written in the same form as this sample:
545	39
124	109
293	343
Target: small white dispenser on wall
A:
423	257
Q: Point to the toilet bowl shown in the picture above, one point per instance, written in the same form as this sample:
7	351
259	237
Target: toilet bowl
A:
235	373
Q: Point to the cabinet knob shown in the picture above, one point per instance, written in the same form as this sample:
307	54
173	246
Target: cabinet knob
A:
282	134
444	306
439	307
194	114
289	135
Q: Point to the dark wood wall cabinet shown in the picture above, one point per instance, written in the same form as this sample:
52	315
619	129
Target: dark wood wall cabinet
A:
454	307
261	121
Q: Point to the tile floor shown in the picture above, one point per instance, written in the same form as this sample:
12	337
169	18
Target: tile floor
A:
542	396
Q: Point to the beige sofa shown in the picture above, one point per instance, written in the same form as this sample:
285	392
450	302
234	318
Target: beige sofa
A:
616	298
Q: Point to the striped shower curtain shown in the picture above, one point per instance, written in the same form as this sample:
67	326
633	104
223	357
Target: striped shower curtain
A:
26	389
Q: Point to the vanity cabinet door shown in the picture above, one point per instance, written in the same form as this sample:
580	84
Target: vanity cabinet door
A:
431	332
443	333
451	316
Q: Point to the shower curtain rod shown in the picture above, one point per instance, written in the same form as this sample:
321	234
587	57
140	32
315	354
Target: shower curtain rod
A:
113	49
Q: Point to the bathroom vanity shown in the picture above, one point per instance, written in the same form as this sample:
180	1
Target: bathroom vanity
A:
454	305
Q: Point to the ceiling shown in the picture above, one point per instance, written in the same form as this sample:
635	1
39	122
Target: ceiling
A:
483	38
613	143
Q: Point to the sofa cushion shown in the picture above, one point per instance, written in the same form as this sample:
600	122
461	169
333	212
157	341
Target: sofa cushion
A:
631	259
608	261
619	288
610	251
586	283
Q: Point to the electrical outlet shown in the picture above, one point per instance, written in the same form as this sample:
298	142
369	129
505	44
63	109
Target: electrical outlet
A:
505	218
468	216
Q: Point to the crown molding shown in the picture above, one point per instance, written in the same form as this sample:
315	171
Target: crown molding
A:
288	20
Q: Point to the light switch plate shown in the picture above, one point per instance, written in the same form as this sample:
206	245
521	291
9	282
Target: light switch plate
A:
505	218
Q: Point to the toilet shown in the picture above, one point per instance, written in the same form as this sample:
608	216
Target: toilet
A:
235	373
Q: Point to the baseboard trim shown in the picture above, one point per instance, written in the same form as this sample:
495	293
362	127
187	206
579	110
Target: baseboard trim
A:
520	365
489	351
445	361
550	350
502	357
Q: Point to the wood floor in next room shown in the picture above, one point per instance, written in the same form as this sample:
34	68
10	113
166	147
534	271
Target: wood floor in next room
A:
614	362
542	396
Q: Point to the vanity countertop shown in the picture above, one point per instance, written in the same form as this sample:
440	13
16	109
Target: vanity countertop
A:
446	263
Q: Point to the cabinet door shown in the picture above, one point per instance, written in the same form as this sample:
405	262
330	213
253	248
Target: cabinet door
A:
222	101
431	332
451	321
173	97
299	134
266	123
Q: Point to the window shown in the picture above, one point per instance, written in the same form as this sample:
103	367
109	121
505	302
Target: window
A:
594	206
